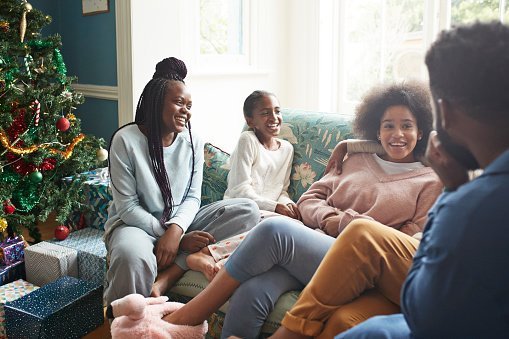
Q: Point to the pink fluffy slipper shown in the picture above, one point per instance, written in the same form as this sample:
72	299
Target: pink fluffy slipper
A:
138	317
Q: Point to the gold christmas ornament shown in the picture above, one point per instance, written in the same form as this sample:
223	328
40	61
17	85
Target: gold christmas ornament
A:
101	154
3	225
23	23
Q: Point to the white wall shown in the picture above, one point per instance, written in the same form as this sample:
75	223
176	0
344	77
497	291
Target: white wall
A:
284	59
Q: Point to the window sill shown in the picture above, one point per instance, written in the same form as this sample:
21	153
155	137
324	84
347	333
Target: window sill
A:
228	72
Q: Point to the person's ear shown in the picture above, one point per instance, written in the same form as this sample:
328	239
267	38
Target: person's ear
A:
249	121
419	135
447	113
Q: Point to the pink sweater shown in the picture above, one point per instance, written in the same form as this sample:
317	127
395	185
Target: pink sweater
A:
364	190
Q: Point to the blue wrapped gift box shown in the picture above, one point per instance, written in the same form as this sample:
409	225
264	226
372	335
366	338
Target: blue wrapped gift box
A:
98	197
12	272
10	292
66	308
91	253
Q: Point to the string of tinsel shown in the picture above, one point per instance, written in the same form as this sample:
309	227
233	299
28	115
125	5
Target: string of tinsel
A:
9	177
39	44
59	64
4	140
26	197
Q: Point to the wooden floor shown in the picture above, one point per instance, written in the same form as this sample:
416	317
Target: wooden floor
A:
47	232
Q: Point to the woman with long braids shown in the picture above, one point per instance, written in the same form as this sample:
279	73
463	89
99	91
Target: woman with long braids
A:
156	168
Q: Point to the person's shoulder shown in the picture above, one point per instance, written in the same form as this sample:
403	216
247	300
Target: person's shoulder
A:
285	143
248	135
128	134
247	138
186	136
361	158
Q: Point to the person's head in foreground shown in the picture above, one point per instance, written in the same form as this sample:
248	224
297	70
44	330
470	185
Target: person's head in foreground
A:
457	285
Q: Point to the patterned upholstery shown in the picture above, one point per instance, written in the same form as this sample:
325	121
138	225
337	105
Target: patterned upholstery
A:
215	174
313	136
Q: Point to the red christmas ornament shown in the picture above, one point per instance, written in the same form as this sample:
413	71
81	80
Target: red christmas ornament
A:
8	207
63	124
61	232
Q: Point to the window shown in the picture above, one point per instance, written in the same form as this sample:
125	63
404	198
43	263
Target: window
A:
223	32
385	40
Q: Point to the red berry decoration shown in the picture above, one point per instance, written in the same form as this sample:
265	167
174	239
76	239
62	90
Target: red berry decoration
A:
9	208
61	232
63	124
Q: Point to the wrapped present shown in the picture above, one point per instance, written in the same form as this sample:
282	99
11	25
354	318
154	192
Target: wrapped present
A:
10	292
12	250
91	253
12	272
46	262
98	197
66	308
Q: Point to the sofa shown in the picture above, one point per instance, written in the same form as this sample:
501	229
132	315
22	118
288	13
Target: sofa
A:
313	136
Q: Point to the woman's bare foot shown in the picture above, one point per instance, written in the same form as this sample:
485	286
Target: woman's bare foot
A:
165	279
203	263
157	288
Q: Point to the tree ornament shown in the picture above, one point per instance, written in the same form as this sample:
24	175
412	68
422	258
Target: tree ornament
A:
36	107
23	22
36	177
102	154
61	232
3	225
9	207
26	62
4	26
63	124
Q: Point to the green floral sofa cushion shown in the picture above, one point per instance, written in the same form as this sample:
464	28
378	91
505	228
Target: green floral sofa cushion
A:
215	174
313	136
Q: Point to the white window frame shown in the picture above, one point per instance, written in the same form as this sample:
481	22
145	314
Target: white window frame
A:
214	63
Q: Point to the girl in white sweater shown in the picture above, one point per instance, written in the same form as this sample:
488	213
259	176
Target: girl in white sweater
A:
260	170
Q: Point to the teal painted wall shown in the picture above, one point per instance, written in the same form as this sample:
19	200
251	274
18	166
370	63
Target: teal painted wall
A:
89	51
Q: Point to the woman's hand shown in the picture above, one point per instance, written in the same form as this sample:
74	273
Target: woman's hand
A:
288	210
451	173
196	240
336	158
331	225
167	246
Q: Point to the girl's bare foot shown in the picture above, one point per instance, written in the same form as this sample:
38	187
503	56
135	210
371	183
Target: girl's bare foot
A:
203	263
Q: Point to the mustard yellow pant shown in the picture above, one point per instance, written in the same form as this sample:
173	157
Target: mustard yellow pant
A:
360	276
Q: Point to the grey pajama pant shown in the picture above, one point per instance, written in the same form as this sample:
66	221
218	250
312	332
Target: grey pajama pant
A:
278	256
133	265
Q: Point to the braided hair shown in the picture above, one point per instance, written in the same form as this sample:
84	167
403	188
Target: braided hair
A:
149	114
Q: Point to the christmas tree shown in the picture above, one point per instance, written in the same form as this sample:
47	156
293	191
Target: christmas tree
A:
40	138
